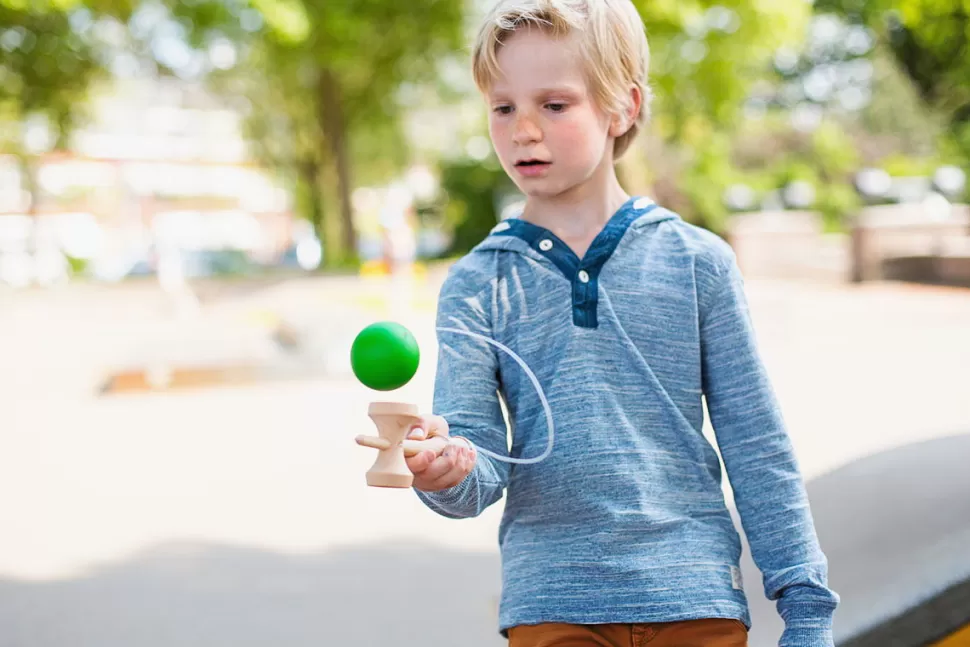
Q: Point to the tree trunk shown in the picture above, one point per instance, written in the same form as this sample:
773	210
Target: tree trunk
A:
310	178
28	180
334	128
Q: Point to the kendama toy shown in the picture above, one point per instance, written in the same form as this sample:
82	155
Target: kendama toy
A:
384	357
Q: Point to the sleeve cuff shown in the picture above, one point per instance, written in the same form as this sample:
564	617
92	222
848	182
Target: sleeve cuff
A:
808	624
448	498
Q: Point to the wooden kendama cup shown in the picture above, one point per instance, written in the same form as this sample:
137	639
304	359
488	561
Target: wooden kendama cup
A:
384	357
394	420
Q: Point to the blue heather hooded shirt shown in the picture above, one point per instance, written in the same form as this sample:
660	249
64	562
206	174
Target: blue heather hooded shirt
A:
625	521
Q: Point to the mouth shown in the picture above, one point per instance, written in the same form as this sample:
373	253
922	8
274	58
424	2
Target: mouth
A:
532	167
531	163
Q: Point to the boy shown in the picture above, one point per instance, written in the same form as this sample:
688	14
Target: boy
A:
628	316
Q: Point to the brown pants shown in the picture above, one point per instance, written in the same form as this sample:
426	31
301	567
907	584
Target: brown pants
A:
692	633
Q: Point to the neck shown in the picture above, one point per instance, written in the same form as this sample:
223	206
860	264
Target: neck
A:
579	214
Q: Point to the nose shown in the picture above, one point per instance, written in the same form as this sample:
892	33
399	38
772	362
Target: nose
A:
526	131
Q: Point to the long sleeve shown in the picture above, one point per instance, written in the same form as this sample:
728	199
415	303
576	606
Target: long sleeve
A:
466	394
760	461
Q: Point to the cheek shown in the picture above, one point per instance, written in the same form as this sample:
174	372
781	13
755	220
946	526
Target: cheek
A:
500	136
493	128
581	134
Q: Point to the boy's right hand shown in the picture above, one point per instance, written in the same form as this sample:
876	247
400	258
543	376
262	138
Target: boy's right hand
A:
433	471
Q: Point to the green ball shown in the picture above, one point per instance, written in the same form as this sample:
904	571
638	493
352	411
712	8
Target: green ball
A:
385	356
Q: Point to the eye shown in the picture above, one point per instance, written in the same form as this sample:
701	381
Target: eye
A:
556	107
502	110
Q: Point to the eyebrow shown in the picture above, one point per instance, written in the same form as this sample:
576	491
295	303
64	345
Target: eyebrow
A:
568	89
560	89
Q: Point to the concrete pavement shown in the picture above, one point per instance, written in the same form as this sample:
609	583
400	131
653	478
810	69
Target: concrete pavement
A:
240	516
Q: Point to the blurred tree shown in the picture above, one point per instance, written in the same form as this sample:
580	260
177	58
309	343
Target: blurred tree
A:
930	40
839	101
706	57
707	54
282	128
897	120
45	68
49	56
324	78
474	189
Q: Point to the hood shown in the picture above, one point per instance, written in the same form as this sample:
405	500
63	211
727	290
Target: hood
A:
514	234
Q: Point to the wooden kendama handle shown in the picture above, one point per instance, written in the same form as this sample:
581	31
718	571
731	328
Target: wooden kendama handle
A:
410	447
394	420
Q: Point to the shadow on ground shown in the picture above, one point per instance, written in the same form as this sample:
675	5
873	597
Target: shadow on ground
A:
202	595
895	527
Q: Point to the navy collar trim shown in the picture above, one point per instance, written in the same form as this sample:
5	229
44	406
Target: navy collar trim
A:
584	272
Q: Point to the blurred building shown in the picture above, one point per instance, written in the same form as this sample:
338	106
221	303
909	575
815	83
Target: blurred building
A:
161	163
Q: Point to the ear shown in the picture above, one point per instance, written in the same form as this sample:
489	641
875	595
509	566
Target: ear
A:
623	121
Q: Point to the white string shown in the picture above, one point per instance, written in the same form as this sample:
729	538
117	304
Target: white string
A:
535	383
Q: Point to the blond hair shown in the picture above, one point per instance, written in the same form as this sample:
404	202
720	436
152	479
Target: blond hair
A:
612	41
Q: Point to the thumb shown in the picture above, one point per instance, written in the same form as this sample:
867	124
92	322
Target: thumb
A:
427	427
434	444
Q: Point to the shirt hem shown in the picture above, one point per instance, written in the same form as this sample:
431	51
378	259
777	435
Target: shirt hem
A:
694	612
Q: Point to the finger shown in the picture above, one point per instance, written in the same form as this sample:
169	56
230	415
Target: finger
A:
459	465
471	456
439	425
437	444
464	443
441	465
459	471
433	425
419	430
428	425
419	463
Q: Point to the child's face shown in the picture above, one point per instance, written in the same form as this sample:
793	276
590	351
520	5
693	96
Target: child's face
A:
547	130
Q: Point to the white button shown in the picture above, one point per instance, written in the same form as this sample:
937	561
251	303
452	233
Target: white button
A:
545	245
642	203
583	276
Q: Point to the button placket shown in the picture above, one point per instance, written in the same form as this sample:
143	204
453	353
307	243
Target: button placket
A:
582	273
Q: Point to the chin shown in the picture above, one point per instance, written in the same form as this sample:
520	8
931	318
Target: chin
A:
544	191
537	192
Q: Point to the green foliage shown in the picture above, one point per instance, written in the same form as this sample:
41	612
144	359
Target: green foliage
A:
956	148
117	8
898	165
832	152
825	160
288	19
46	68
705	179
930	42
898	118
706	54
472	192
76	266
321	81
837	202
